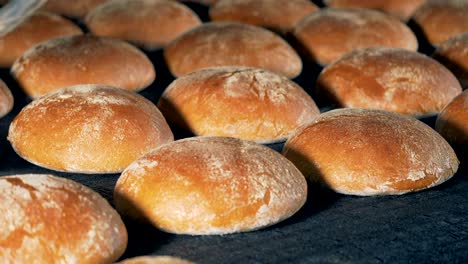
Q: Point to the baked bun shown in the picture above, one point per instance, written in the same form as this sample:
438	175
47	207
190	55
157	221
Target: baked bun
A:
151	24
440	20
228	44
277	15
453	54
76	9
329	33
403	9
390	79
452	122
6	99
48	219
210	185
88	129
371	152
36	28
203	2
82	59
155	260
247	103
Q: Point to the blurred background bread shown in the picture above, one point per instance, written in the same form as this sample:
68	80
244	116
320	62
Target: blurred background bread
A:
452	122
6	99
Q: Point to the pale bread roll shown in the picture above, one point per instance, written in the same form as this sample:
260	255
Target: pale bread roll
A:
440	20
390	79
88	129
6	99
151	24
210	185
48	219
155	260
247	103
371	152
330	33
452	122
39	27
82	59
278	15
231	44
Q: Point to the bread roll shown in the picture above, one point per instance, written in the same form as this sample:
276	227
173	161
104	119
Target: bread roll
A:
452	122
204	2
37	28
155	260
6	99
210	185
148	23
403	9
48	219
278	15
82	59
231	44
88	129
441	19
371	152
247	103
330	33
72	8
453	54
390	79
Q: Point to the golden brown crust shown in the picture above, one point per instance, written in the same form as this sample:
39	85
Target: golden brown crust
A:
442	19
231	44
452	122
148	23
453	54
88	129
155	260
78	8
6	99
403	9
329	33
389	79
278	15
37	28
49	219
247	103
371	152
82	59
211	185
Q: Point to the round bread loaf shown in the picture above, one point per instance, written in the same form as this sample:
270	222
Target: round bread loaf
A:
88	129
452	122
6	99
231	44
277	15
402	9
48	219
247	103
151	24
82	59
210	185
69	8
453	54
38	27
329	33
204	2
440	20
371	152
155	260
390	79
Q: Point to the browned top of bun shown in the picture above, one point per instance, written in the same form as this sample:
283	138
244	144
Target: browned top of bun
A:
226	44
211	185
82	59
149	23
329	33
402	9
48	219
278	15
453	54
6	99
442	19
204	2
247	103
37	28
452	122
88	129
155	260
78	8
391	79
371	152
